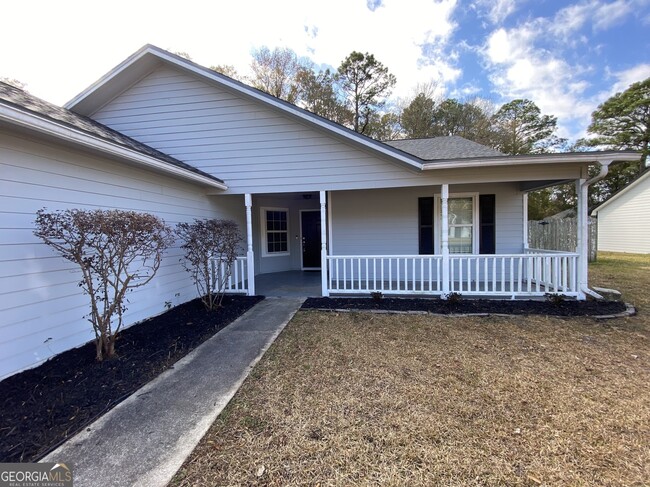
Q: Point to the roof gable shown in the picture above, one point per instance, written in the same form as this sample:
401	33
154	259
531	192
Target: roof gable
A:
149	57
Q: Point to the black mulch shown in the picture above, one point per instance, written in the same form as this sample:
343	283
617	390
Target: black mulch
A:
468	306
42	407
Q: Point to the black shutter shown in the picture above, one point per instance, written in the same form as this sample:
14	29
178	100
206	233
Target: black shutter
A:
425	225
487	223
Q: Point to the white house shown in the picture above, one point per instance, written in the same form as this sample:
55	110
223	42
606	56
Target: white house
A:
624	219
163	135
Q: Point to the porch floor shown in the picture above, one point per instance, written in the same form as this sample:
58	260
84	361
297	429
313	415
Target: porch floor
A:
289	284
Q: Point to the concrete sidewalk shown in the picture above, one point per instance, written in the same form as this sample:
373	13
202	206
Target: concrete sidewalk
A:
145	439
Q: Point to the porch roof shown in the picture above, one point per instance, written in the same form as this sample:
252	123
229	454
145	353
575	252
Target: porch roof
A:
450	147
416	156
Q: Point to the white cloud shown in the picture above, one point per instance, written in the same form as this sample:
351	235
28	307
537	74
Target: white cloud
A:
527	61
519	69
609	14
570	19
497	10
58	61
629	76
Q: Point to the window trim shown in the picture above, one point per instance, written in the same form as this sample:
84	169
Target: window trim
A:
264	232
437	221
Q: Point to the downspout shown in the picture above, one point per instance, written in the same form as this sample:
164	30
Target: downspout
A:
584	188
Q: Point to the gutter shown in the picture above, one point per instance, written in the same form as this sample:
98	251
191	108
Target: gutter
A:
66	133
584	188
556	158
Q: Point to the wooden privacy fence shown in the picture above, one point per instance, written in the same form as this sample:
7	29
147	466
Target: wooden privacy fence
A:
561	234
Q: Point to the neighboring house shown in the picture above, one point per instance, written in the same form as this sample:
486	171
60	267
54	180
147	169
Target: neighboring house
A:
164	135
624	219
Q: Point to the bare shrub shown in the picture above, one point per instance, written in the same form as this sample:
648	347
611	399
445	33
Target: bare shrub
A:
117	251
208	243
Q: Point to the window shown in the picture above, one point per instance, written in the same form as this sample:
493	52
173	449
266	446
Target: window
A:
275	231
463	223
472	224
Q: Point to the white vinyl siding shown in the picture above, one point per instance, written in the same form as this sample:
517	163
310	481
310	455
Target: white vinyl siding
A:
41	307
624	224
385	222
255	148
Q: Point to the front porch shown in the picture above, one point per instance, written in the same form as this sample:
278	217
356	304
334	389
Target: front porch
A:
470	258
532	274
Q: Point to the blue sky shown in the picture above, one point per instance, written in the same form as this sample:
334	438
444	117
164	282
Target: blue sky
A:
567	56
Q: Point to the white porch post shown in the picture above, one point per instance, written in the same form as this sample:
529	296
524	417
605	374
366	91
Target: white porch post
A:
250	256
444	239
525	218
583	236
323	243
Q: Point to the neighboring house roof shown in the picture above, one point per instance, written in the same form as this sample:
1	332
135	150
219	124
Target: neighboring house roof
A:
450	147
645	175
12	97
570	213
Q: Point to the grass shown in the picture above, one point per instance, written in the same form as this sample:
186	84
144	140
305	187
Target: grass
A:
361	399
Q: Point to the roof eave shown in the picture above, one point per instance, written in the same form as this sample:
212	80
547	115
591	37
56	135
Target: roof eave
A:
66	133
534	159
80	105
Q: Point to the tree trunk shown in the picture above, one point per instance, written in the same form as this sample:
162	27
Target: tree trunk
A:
110	346
98	349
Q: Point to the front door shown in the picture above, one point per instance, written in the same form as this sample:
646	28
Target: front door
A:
310	237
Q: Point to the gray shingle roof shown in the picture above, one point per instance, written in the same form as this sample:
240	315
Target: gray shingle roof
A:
20	99
451	147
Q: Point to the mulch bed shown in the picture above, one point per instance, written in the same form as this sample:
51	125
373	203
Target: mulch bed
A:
42	407
471	306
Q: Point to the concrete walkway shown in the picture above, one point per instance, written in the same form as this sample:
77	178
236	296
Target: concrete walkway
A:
145	439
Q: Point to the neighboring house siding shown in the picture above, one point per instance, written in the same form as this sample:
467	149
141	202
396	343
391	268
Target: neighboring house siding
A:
258	149
385	222
624	224
41	305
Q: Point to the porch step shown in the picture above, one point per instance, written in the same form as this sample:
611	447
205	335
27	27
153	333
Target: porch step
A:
608	294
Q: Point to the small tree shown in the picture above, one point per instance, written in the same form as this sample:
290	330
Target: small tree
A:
207	240
117	251
522	129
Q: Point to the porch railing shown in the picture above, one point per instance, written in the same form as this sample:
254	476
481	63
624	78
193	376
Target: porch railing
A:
234	276
395	274
533	273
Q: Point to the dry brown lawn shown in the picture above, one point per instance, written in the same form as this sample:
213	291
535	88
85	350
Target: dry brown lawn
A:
364	399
